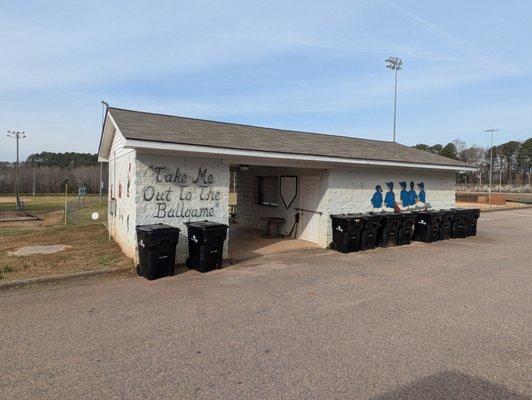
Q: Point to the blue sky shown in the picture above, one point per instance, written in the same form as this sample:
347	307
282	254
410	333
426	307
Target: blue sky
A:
305	65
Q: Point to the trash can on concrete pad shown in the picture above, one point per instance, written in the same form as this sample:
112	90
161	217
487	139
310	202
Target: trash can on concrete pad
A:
427	226
460	226
388	228
346	232
156	244
205	245
474	215
406	229
446	224
368	238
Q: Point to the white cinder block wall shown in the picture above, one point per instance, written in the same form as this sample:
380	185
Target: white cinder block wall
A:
175	190
343	190
351	189
122	169
152	188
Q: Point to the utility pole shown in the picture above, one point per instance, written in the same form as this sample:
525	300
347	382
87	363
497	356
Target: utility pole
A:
104	108
33	159
500	173
17	135
491	132
101	182
394	63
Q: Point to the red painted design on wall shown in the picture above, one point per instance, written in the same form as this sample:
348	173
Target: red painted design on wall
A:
128	179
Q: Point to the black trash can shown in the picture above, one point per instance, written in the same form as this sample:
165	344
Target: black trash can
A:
156	244
388	228
474	215
205	245
427	226
406	229
368	237
446	224
346	232
460	226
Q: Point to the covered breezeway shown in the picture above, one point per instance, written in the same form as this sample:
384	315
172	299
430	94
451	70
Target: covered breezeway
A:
247	243
293	196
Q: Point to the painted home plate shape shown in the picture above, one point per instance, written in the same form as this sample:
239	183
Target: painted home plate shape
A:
288	190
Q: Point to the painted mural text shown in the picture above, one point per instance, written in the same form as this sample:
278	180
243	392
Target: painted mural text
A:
201	179
193	196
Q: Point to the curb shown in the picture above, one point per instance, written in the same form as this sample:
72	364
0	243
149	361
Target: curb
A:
20	283
504	209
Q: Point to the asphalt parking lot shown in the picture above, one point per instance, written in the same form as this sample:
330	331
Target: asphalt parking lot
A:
446	320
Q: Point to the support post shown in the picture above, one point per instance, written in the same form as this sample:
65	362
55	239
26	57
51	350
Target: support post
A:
33	176
66	203
101	182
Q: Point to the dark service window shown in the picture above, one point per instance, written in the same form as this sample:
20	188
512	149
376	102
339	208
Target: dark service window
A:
267	189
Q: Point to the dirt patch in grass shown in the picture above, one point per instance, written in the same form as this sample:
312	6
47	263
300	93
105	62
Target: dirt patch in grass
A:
90	249
53	218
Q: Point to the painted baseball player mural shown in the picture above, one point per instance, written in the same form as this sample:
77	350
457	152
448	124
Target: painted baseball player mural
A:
422	196
389	199
412	195
408	197
376	200
403	196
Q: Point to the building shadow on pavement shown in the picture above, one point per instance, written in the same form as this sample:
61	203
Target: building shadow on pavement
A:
451	385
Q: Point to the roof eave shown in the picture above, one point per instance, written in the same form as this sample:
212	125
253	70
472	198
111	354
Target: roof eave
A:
109	128
223	152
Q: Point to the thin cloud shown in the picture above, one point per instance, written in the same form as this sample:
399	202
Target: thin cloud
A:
463	47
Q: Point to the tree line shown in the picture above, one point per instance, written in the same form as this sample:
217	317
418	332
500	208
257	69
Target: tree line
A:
512	161
52	172
62	160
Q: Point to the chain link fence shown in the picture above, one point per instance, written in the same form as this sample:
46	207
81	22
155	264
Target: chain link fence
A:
86	210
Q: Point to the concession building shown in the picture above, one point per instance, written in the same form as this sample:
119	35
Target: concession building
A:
171	169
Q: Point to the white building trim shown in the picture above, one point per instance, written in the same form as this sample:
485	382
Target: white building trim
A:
249	156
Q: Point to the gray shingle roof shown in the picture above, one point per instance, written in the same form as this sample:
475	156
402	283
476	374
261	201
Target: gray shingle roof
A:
173	129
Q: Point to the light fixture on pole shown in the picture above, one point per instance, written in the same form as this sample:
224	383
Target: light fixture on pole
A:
491	132
17	135
394	63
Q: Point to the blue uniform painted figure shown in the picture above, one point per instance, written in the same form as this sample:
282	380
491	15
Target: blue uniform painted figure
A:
412	196
376	200
422	195
389	199
405	198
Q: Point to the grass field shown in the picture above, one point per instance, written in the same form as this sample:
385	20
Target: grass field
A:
90	247
83	216
40	203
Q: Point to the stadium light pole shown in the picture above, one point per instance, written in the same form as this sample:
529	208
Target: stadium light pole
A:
491	132
17	135
394	63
